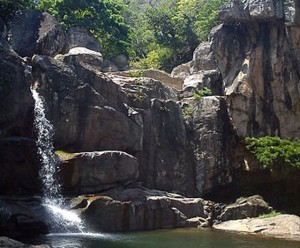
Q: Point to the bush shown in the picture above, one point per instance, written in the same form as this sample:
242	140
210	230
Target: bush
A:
203	92
270	151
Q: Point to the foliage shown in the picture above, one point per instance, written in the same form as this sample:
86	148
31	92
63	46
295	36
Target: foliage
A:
63	155
188	112
274	213
151	61
102	17
203	92
9	7
274	150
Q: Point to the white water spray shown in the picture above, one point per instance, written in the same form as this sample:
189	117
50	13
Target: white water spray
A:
60	219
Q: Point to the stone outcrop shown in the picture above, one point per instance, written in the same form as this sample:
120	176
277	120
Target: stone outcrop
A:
282	226
91	172
243	208
34	32
82	55
142	209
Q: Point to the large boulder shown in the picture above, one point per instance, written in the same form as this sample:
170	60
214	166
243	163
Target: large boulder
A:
34	32
82	55
283	226
81	37
92	172
142	209
243	208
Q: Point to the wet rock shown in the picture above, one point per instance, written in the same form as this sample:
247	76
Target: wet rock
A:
81	37
243	208
92	172
10	243
22	216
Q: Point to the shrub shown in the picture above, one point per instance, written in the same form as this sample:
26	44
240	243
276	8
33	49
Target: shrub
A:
274	150
203	92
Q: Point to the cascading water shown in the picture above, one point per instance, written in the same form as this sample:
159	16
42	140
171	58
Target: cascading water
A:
61	220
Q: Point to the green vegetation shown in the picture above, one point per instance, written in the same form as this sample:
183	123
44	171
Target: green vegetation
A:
153	34
188	112
203	92
62	155
102	17
269	215
270	151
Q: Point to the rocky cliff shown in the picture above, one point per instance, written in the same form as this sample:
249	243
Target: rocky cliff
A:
118	134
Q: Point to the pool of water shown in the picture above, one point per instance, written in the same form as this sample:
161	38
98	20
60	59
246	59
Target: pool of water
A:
178	238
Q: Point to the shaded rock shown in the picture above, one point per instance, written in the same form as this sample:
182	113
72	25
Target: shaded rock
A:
121	62
51	37
19	168
10	243
34	32
3	29
246	208
92	172
142	209
282	226
109	66
81	55
22	216
81	37
208	129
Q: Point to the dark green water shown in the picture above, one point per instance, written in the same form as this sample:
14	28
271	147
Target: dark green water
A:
179	238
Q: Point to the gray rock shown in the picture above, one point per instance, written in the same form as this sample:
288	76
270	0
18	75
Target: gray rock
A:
142	209
81	37
121	61
246	208
210	126
3	29
283	226
182	71
109	66
92	172
34	32
81	55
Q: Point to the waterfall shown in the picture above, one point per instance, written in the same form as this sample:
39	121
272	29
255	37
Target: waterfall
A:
59	219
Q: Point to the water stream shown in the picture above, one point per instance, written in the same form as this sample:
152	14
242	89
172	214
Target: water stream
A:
60	219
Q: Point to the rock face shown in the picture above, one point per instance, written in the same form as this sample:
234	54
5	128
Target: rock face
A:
282	226
34	32
90	172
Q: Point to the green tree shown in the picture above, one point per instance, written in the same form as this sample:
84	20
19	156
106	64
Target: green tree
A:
102	17
9	7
